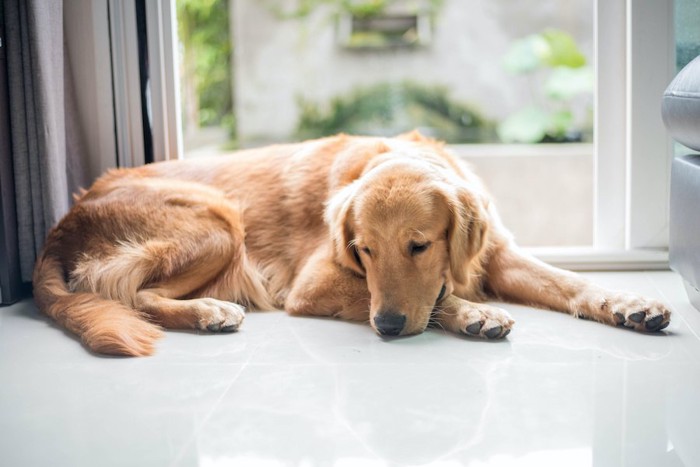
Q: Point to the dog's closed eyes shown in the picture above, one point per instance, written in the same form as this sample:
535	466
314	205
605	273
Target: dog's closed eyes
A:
418	248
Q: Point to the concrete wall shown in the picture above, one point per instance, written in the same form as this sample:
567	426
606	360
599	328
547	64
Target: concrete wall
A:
544	193
278	60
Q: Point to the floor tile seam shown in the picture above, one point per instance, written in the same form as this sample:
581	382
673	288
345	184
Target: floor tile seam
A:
209	414
305	347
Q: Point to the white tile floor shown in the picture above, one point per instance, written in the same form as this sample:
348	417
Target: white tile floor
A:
318	392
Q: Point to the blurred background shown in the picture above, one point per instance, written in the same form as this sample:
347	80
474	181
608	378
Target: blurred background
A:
494	78
465	71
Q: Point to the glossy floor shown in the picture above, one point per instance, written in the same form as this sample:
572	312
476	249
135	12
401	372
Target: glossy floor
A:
316	392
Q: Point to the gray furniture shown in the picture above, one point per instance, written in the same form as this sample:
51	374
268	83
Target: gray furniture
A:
681	114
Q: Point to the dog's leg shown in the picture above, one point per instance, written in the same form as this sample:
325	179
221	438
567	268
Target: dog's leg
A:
163	301
201	277
323	288
511	275
473	319
206	314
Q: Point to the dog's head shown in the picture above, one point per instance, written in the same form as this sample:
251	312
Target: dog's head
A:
412	230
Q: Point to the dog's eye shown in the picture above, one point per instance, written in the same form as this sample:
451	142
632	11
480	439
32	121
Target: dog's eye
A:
366	251
416	248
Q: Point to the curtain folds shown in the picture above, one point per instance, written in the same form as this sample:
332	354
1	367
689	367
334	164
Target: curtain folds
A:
46	155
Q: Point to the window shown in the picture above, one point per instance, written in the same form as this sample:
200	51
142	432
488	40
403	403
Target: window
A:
477	77
624	213
206	90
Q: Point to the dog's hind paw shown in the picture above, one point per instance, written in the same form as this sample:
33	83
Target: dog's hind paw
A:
217	315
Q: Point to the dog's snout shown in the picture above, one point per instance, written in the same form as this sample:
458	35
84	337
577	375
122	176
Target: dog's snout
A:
390	324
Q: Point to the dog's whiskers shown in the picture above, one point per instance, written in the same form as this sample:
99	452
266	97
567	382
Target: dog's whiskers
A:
435	323
443	311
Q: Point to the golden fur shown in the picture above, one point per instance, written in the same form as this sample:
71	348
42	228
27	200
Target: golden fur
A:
394	231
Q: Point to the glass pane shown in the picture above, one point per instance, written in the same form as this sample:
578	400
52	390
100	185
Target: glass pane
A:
469	72
464	72
206	90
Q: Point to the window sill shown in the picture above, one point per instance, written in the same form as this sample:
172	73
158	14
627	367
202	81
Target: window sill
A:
522	150
593	259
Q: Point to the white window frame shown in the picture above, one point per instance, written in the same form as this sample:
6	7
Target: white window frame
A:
164	72
126	83
634	59
102	43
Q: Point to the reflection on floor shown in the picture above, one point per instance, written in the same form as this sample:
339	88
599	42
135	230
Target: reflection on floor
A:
316	392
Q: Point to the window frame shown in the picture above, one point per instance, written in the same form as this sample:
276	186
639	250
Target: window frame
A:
126	83
634	58
108	75
164	73
635	61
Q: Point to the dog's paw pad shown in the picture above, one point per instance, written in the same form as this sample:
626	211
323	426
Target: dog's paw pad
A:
494	332
214	327
636	317
654	323
474	328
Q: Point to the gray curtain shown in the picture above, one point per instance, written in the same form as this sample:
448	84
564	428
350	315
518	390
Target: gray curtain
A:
46	153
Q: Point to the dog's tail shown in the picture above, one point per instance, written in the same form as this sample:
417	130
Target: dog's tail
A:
105	326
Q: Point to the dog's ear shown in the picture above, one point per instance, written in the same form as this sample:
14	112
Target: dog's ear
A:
467	229
339	217
415	136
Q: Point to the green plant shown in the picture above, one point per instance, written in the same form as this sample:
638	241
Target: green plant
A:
389	109
564	76
203	28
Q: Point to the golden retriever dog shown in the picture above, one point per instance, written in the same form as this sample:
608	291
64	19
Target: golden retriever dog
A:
396	232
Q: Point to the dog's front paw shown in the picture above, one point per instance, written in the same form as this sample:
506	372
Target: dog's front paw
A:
217	315
485	321
639	313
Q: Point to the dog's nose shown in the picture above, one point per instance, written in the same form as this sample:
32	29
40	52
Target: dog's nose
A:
389	324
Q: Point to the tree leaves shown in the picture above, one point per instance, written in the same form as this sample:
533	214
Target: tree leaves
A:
550	48
555	54
566	83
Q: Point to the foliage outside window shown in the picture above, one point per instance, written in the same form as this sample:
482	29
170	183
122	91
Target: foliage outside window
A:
550	61
206	45
388	109
559	75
